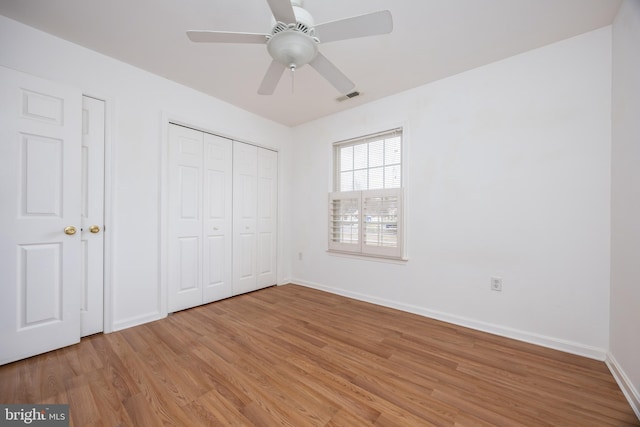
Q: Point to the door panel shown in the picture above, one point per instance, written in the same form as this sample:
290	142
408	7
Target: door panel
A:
246	263
40	137
265	242
267	217
245	193
189	279
216	193
185	219
216	271
43	107
189	196
92	212
217	225
40	171
39	284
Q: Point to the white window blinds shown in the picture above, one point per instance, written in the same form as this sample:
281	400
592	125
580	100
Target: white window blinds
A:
369	163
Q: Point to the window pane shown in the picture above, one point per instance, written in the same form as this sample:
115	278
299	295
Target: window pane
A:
360	180
346	158
376	178
392	151
392	177
360	156
346	181
376	153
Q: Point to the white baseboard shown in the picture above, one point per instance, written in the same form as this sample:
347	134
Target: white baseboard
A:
542	340
630	392
136	321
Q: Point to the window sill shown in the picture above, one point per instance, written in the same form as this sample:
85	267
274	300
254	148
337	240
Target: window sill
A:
363	257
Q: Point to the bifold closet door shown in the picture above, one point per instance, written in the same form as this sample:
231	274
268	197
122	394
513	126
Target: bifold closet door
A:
267	218
245	210
199	235
218	218
254	217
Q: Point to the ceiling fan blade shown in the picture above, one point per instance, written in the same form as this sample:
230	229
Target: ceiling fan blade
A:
282	11
330	72
370	24
271	78
224	37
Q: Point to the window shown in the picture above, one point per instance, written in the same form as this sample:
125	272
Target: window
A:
365	210
370	163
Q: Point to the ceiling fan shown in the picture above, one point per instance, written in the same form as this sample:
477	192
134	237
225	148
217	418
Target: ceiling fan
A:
294	39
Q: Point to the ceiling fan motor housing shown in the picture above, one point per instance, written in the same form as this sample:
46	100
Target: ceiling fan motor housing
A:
294	44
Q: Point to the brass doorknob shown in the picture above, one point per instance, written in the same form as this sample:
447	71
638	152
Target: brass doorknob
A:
94	229
70	230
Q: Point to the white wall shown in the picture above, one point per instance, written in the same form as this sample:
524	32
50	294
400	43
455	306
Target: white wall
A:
508	175
625	206
137	101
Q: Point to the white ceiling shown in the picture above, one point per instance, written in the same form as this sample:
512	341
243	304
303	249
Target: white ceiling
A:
432	39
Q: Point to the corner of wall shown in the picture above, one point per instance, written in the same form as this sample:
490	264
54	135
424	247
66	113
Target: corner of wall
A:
629	391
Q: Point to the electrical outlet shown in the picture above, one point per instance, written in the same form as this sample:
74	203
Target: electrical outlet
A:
299	256
496	284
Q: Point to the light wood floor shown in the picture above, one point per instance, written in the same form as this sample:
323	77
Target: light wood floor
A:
300	357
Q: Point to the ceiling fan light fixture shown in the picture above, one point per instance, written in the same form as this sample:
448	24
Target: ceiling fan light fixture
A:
292	48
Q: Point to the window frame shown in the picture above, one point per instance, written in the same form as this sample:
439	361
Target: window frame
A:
337	219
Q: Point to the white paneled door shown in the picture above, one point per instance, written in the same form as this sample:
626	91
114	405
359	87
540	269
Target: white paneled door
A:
92	216
52	200
40	237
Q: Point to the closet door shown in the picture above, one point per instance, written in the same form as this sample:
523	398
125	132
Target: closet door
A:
245	193
255	201
200	218
93	141
185	218
218	187
267	216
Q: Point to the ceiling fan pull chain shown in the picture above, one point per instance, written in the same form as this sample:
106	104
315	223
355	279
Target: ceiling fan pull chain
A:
293	73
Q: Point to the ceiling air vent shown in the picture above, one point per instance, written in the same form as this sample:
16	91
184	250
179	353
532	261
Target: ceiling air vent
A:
349	96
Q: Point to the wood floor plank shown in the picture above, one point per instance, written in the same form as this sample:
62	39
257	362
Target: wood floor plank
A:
296	356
